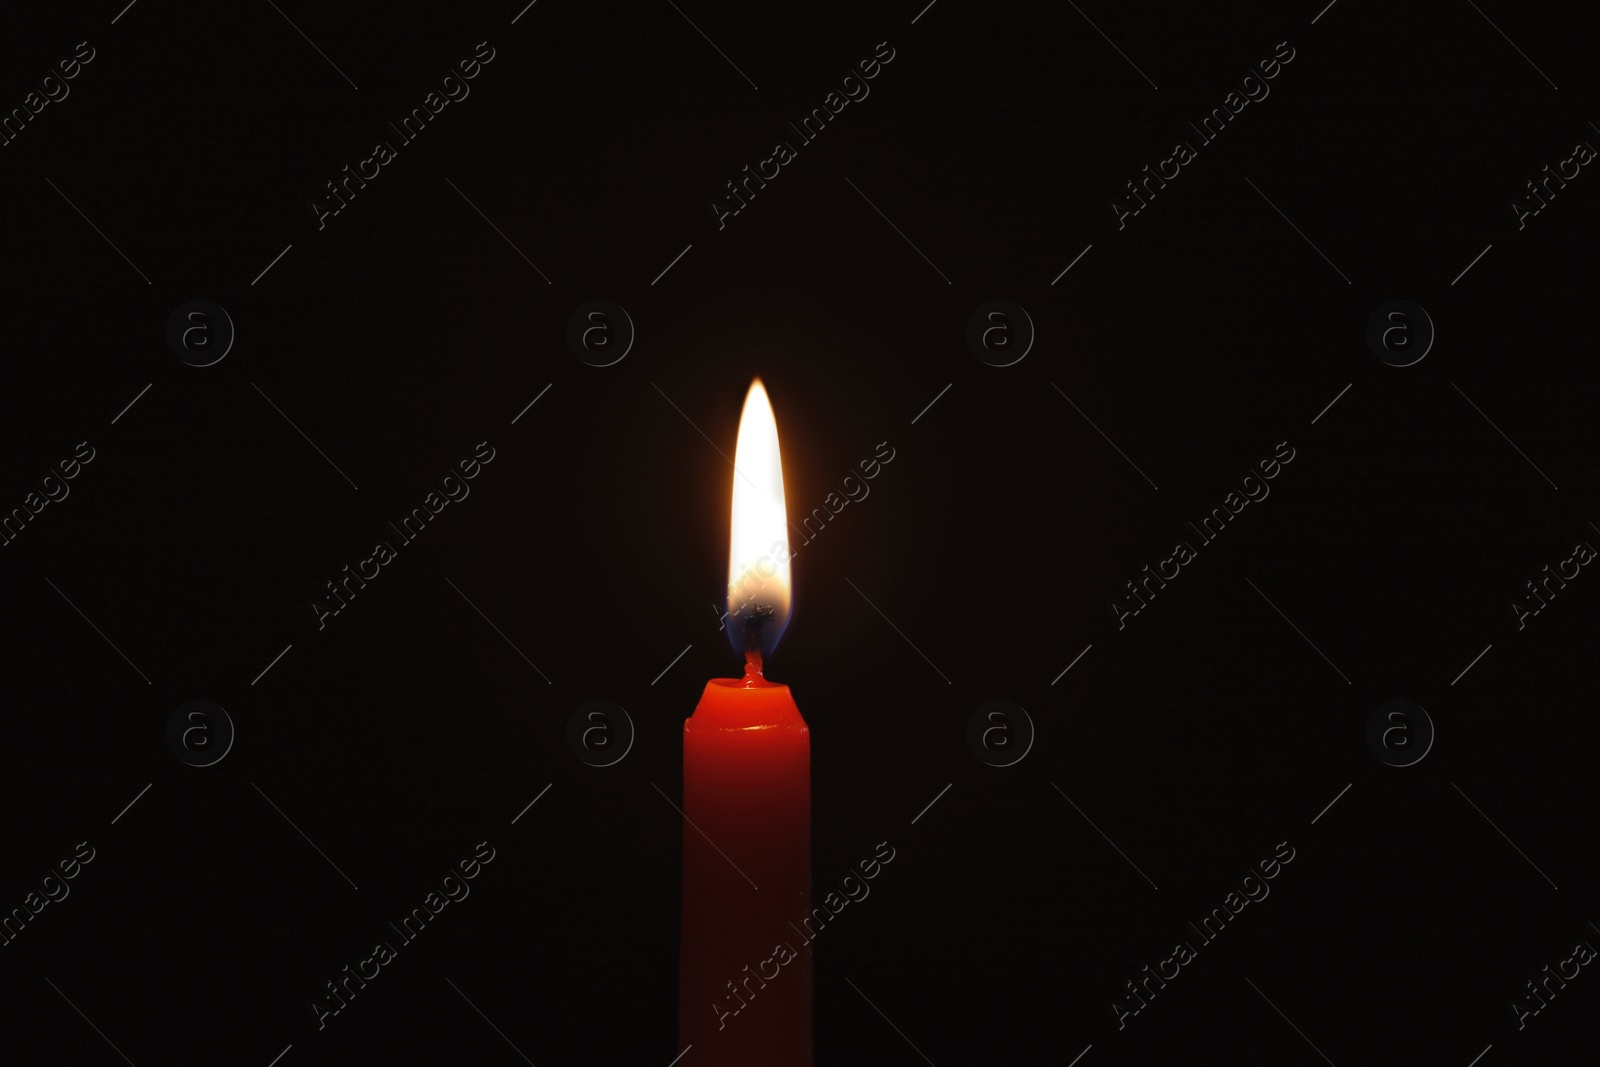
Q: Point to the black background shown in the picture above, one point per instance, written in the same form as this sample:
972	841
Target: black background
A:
408	330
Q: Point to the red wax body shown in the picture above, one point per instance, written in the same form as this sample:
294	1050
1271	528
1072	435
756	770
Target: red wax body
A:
744	991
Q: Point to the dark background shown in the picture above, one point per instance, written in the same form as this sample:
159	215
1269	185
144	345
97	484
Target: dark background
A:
408	330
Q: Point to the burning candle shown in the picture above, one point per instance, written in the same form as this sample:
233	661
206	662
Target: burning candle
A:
744	993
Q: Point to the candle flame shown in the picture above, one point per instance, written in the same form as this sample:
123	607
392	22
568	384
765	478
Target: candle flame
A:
758	549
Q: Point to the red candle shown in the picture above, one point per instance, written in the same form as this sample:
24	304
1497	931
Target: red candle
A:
744	967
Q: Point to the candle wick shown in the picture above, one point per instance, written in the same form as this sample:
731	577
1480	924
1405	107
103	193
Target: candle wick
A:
752	640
